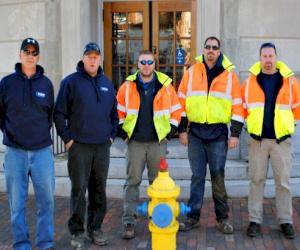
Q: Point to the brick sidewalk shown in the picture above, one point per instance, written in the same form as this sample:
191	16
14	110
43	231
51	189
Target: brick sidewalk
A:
205	237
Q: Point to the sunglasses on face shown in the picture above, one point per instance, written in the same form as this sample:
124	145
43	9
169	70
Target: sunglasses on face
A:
145	62
213	47
30	52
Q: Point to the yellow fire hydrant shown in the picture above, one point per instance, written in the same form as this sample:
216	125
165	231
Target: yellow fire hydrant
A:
163	209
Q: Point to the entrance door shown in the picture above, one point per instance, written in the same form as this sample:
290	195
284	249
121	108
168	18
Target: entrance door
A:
168	28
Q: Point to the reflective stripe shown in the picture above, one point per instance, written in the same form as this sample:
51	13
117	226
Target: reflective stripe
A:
237	118
229	84
220	95
174	122
197	93
244	105
132	112
127	95
255	105
162	112
121	108
175	107
181	95
284	106
296	105
183	114
236	101
189	87
291	96
121	121
247	91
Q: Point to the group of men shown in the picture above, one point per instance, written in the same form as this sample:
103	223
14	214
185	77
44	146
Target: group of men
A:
146	113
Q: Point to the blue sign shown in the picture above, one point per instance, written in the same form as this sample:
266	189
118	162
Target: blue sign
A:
180	56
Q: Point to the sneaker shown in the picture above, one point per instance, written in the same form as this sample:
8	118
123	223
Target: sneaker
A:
253	229
189	224
225	227
77	241
98	237
288	230
128	231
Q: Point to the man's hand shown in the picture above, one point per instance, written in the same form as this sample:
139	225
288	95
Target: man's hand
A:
69	145
233	142
183	138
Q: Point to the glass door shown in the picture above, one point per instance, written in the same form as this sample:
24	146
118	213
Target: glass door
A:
126	30
174	36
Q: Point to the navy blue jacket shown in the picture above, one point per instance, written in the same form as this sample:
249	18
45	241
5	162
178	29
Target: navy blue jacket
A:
26	108
86	108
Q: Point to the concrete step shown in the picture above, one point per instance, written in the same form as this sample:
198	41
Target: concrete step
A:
235	188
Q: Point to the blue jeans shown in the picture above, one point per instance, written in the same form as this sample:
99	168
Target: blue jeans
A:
19	165
213	152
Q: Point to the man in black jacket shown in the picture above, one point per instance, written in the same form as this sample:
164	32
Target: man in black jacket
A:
86	119
26	107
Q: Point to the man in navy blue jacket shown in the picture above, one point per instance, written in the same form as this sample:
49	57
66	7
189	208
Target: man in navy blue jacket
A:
86	119
26	107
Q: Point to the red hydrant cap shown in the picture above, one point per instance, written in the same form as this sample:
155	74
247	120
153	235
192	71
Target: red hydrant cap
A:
163	165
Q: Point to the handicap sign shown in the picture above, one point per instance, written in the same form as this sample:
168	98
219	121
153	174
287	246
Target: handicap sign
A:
179	56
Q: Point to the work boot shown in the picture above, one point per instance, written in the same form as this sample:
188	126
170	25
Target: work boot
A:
77	241
224	226
97	237
253	229
128	231
189	224
288	230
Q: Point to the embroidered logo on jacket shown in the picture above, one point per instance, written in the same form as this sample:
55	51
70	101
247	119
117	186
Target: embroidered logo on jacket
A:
40	94
104	89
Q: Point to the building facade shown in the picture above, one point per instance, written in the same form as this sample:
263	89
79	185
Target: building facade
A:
174	29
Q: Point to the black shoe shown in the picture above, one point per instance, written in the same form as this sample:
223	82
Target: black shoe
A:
98	237
288	230
253	229
189	224
128	231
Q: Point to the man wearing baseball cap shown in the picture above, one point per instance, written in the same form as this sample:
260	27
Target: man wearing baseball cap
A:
86	119
26	107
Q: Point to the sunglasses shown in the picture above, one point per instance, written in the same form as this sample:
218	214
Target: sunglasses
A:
32	52
145	62
213	47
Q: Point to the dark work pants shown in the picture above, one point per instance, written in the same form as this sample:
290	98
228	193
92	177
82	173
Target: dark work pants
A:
213	153
88	167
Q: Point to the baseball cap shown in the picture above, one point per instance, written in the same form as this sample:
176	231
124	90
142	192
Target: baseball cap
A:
91	47
30	41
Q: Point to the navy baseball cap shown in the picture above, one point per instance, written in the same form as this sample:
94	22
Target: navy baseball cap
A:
30	41
91	47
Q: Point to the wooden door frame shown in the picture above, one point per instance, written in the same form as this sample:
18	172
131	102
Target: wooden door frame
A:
109	8
164	5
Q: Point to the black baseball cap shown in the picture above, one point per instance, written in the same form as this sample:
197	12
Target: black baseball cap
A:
30	41
91	47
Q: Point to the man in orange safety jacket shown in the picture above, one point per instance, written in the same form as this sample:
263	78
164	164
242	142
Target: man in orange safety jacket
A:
149	112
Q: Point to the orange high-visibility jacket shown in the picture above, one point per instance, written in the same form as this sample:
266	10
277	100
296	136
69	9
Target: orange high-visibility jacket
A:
287	105
220	104
166	106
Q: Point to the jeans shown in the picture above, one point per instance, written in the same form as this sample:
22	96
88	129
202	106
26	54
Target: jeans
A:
88	168
19	165
140	154
213	152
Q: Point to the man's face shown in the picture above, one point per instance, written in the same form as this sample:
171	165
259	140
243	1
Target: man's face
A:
91	63
268	60
29	57
146	65
211	51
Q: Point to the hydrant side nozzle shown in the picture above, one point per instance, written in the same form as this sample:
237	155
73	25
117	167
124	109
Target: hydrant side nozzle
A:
143	208
184	209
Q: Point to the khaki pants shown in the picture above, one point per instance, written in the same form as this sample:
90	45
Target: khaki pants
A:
281	156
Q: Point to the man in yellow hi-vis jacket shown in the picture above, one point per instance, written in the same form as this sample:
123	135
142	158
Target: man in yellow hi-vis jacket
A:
271	96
